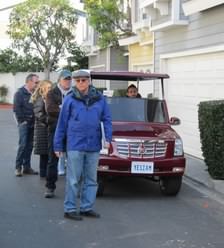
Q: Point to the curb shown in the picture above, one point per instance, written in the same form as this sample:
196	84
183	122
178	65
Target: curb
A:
6	106
216	186
196	172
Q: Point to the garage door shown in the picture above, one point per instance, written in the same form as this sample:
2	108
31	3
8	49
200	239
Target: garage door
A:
193	79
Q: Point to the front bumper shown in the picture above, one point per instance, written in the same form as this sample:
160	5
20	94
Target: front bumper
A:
115	166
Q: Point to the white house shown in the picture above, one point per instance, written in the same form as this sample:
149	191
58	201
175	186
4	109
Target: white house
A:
110	58
188	45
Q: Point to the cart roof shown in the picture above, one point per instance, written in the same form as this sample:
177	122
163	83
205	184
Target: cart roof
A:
126	75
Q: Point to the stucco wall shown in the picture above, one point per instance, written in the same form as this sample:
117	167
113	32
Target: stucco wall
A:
205	29
99	60
109	59
139	55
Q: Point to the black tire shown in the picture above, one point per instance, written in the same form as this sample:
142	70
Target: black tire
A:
170	186
101	187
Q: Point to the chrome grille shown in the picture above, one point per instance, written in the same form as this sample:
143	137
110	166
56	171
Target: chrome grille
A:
141	148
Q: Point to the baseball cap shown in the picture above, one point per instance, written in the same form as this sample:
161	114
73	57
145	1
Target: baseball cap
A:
81	74
64	74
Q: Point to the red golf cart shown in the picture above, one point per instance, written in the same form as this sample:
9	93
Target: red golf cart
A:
144	143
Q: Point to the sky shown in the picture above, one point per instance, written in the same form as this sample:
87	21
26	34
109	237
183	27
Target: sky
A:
4	20
3	4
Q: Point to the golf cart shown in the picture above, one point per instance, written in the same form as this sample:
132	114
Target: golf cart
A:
144	144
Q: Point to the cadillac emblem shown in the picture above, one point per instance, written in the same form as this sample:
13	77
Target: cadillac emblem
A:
141	149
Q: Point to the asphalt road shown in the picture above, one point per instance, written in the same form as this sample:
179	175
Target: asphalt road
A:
134	213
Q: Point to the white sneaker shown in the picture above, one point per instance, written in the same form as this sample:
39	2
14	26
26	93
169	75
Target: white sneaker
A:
61	173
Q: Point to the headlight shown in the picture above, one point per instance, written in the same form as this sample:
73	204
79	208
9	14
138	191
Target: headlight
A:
178	148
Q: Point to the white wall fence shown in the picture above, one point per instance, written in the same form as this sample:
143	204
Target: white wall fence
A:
13	82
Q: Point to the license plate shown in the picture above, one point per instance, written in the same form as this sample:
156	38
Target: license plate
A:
142	167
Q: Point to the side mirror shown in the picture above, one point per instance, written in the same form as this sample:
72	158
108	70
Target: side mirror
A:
174	121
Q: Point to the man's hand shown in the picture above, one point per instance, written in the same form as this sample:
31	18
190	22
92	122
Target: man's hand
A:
106	145
58	154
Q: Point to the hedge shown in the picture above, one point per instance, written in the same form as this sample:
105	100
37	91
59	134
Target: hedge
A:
120	92
211	126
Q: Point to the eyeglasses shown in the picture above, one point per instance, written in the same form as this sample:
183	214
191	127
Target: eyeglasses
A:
67	78
83	80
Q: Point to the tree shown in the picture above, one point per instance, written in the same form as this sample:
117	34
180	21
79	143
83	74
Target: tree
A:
44	28
10	61
77	59
110	18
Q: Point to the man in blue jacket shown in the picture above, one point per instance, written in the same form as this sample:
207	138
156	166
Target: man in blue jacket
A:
79	124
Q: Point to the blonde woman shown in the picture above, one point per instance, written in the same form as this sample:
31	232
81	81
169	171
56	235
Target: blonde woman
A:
40	126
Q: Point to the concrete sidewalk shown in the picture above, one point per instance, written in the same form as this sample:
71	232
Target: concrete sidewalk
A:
196	170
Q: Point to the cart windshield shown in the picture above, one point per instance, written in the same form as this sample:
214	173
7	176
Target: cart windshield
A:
137	109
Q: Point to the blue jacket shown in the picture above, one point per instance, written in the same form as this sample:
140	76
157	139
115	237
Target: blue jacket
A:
22	106
80	120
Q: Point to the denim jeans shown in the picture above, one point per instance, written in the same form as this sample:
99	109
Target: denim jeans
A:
25	146
81	165
61	164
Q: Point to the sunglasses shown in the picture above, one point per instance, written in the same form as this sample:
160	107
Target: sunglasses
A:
81	80
67	78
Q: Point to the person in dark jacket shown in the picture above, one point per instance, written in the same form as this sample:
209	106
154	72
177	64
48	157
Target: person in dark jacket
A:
79	124
53	105
23	110
40	126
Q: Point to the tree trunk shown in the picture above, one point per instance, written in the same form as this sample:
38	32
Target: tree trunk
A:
47	73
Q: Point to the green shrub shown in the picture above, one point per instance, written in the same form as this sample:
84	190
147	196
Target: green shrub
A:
101	89
3	93
120	92
211	126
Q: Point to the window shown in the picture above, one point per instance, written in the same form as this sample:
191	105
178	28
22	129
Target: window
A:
136	109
